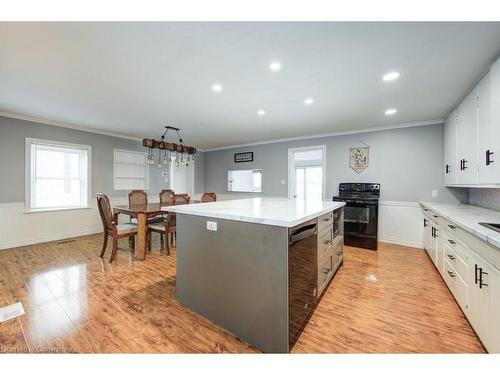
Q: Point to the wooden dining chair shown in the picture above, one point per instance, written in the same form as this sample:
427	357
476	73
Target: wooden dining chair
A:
166	197
209	197
169	226
140	197
111	226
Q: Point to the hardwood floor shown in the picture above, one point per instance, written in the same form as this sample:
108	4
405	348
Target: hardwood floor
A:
389	301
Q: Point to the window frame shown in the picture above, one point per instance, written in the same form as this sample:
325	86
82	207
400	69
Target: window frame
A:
291	168
146	188
28	181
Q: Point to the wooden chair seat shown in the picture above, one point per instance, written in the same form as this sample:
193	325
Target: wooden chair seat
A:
126	229
160	227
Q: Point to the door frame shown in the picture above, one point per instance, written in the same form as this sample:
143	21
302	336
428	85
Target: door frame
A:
291	174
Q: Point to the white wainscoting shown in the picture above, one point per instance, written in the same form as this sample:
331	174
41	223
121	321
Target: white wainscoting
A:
18	228
399	223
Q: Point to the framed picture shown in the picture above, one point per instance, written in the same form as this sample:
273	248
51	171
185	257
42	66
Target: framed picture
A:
243	157
359	158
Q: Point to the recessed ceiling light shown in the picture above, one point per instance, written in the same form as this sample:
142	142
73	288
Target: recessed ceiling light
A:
216	87
275	66
391	76
390	111
309	101
261	112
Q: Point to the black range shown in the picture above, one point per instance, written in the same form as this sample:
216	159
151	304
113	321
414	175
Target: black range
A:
360	213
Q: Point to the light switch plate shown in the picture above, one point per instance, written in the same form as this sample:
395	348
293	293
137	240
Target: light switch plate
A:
212	225
435	193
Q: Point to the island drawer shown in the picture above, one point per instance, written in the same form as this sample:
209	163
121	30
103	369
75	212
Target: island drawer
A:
324	221
325	239
325	269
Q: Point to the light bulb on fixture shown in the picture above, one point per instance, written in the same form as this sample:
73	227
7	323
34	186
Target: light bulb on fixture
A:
150	156
165	158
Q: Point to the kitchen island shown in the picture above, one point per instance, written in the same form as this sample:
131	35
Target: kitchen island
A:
257	266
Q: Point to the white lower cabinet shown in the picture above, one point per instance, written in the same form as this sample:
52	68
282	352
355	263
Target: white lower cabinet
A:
483	301
471	270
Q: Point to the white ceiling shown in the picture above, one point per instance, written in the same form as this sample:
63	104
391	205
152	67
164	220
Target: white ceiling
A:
133	78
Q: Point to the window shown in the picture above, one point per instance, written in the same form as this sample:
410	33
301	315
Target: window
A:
247	180
57	175
130	170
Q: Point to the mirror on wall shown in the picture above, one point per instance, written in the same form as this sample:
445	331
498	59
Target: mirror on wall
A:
244	180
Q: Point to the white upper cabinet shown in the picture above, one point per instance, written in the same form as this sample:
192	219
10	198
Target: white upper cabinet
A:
489	127
467	125
472	140
450	149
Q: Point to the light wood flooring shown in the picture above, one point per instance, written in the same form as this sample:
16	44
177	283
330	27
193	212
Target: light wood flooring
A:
388	301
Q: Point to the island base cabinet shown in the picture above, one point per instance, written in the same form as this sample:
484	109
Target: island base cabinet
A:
483	301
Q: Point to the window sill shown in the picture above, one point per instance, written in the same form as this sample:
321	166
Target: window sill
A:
37	210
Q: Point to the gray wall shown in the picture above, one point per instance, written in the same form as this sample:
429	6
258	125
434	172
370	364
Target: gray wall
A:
408	162
12	154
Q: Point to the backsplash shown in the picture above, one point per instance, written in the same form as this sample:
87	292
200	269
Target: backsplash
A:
487	198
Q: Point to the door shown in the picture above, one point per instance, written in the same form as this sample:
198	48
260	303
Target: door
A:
467	140
483	301
450	149
489	128
306	173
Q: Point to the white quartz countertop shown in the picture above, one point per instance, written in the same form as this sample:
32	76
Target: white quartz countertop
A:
468	217
280	212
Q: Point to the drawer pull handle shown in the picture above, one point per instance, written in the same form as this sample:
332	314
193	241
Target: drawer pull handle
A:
340	253
452	242
327	271
451	226
435	216
481	273
327	219
451	256
451	274
327	242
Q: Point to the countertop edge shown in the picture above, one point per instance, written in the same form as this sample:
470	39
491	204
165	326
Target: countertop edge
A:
482	236
246	219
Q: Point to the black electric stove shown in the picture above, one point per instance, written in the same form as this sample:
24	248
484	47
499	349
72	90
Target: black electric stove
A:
360	213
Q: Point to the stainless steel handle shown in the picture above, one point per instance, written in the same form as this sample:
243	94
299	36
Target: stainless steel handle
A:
451	256
451	274
451	226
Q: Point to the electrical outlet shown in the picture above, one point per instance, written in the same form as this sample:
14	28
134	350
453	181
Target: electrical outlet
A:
212	225
435	193
282	182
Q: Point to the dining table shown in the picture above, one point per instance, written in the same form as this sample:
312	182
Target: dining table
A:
142	212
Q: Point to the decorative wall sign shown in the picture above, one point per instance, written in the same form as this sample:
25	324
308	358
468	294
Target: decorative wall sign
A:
359	157
243	157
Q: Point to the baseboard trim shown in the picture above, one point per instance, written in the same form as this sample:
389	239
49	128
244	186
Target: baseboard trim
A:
394	241
32	241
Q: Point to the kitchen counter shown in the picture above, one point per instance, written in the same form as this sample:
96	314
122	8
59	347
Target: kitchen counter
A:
468	217
281	212
257	267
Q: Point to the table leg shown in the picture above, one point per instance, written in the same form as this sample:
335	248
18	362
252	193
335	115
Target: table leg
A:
140	246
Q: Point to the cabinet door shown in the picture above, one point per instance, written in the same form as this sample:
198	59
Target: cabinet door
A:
483	301
489	126
427	235
467	128
450	149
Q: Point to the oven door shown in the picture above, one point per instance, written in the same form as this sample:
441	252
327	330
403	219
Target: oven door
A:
360	223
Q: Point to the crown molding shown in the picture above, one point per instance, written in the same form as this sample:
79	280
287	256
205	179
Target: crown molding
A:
66	125
334	134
